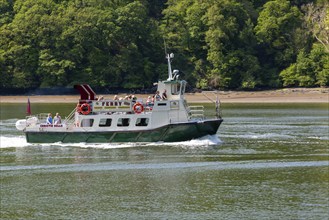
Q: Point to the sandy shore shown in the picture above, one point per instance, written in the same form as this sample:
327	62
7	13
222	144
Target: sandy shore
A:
297	95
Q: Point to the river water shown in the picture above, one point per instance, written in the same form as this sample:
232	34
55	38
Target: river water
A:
267	161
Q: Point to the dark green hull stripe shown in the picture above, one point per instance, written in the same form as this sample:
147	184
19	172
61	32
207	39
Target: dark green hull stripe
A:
169	133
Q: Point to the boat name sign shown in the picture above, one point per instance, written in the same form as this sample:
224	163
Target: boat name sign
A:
98	106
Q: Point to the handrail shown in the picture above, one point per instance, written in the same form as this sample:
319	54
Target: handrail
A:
69	119
196	111
216	102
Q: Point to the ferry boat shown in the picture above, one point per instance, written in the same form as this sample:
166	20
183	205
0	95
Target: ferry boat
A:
166	119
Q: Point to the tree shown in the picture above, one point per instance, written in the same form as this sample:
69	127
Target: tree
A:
275	31
60	43
309	70
184	31
22	37
230	41
317	22
231	44
6	12
210	33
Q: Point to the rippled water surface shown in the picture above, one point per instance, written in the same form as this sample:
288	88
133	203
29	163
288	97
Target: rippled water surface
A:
267	161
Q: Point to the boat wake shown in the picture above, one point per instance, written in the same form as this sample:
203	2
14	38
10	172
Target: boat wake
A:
20	141
13	141
208	140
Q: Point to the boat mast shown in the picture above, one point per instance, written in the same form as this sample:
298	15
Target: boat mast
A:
169	58
218	114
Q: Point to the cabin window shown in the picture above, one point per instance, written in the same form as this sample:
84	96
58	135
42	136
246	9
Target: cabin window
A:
105	122
175	89
142	122
174	105
87	122
123	122
162	104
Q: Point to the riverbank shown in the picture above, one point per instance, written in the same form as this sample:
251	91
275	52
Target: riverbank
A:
291	95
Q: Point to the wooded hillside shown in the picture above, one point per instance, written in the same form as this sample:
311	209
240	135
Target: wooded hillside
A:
226	44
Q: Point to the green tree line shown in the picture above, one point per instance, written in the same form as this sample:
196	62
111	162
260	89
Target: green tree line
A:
226	44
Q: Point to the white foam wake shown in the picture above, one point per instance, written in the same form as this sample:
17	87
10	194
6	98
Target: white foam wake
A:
20	141
208	140
13	141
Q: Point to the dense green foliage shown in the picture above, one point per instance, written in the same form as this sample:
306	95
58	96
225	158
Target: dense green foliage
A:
228	44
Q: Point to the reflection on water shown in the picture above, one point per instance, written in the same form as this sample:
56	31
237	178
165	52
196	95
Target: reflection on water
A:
266	162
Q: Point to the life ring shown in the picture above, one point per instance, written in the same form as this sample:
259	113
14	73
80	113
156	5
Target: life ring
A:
85	109
138	108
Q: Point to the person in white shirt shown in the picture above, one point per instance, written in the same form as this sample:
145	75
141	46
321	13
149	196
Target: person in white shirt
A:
57	119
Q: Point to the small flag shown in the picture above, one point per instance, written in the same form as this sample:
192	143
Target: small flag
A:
28	108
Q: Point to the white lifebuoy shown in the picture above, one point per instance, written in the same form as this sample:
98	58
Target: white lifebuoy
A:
138	108
85	109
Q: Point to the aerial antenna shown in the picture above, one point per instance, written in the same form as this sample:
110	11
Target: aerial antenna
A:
168	57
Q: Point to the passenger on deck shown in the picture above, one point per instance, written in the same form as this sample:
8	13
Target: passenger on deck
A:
57	119
157	96
49	120
120	99
149	101
116	99
164	95
126	99
133	98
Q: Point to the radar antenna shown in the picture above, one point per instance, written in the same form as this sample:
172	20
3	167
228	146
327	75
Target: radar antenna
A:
169	57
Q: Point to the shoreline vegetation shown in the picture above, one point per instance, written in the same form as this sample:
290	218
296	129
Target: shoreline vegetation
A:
236	45
288	95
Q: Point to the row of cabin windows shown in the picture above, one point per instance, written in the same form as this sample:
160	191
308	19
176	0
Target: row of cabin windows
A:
122	122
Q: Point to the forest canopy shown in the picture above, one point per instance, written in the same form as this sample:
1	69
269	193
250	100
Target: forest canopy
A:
218	44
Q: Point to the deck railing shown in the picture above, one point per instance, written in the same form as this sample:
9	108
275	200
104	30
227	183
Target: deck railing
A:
70	118
196	111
